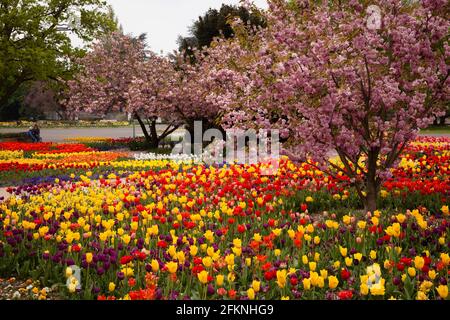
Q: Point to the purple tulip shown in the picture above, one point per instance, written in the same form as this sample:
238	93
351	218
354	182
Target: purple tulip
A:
210	290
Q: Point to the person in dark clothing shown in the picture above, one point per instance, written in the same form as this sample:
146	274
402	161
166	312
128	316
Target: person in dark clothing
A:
35	133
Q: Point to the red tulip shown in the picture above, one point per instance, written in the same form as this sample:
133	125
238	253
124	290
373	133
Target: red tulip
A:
294	281
126	259
162	244
345	295
406	261
131	282
345	274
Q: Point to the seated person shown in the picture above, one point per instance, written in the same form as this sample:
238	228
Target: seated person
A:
34	133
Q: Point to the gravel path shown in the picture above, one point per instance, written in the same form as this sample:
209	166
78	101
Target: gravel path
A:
60	134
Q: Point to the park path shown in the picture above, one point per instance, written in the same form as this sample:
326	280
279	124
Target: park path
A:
60	134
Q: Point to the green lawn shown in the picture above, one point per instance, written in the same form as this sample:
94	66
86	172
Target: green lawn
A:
437	130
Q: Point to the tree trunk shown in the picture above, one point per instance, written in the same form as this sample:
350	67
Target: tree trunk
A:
372	183
4	102
151	138
371	197
143	127
154	139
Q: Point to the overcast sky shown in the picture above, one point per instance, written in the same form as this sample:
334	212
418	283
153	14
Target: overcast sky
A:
164	20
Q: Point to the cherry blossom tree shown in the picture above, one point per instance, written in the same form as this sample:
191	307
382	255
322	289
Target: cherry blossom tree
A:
176	91
190	94
357	77
112	78
148	95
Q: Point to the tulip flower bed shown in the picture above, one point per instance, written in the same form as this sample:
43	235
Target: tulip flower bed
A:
44	147
138	143
100	143
48	160
166	229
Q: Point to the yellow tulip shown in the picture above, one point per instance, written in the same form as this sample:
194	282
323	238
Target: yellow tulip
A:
316	240
419	262
193	250
348	261
361	224
207	262
251	294
358	256
219	280
155	265
375	221
316	257
333	282
256	285
442	291
343	251
126	239
346	219
172	267
432	274
304	259
421	295
229	259
111	286
401	218
281	278
306	283
445	258
314	277
377	289
203	277
89	257
364	289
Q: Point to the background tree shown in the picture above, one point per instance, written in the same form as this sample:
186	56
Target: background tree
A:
34	38
42	99
216	23
332	79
